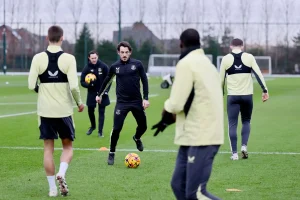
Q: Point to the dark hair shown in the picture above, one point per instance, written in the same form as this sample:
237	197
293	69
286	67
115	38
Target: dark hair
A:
190	37
237	42
124	44
93	52
55	33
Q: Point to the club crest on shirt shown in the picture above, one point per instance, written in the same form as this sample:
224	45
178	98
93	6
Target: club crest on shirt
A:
99	71
92	70
133	67
117	70
118	112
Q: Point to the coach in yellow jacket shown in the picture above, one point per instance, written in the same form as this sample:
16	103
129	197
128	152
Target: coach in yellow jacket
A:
196	104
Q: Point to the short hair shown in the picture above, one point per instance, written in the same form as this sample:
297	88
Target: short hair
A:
55	33
237	42
190	37
93	52
124	44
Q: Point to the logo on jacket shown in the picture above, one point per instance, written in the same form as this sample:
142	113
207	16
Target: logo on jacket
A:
191	159
133	67
117	70
53	75
118	112
99	71
238	67
92	70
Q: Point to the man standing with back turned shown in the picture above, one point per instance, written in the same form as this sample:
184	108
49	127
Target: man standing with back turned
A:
238	66
129	72
58	79
196	104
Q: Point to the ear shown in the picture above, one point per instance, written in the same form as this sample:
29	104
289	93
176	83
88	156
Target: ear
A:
61	39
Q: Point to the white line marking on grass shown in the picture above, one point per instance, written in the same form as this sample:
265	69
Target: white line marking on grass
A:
146	150
32	112
18	103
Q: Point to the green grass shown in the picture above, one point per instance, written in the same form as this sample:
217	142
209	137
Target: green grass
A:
275	128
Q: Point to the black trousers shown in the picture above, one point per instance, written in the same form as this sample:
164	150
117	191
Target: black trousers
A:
121	111
101	112
192	172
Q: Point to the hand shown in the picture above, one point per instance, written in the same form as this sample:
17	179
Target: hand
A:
167	119
146	104
98	99
265	96
80	108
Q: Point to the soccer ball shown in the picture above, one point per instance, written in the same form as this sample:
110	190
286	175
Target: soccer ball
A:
132	160
90	77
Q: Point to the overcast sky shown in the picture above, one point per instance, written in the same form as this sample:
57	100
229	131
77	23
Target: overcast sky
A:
178	15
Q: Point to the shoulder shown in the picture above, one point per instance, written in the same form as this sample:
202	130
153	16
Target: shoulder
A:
103	64
228	56
68	56
40	55
115	64
249	55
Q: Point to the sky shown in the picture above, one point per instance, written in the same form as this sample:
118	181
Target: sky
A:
166	18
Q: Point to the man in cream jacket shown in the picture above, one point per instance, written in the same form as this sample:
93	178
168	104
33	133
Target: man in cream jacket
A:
196	104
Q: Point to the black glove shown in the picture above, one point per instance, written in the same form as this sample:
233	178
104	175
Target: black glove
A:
36	89
167	119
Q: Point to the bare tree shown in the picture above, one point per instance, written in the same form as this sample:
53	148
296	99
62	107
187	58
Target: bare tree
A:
54	6
76	9
12	8
142	10
35	11
162	13
183	13
97	10
267	8
223	14
245	7
199	15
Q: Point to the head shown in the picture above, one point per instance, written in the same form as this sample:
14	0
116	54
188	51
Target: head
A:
124	50
237	44
93	57
55	35
189	38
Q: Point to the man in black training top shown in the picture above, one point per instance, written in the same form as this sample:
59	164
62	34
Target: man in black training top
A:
100	70
128	72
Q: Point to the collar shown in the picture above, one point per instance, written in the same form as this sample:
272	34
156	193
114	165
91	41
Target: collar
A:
54	48
188	50
126	62
94	65
236	51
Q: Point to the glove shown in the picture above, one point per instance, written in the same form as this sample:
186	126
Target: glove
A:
167	119
36	89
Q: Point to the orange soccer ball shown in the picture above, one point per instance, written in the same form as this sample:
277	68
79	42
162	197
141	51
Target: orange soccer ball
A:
90	77
132	160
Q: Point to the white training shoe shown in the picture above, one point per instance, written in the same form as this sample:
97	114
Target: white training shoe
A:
244	152
53	192
234	156
63	187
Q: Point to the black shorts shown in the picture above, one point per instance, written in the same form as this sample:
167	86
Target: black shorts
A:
51	128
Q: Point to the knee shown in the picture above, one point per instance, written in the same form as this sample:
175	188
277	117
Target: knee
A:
142	127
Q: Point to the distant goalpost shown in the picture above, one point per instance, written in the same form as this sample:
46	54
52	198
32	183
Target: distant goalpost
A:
264	63
163	64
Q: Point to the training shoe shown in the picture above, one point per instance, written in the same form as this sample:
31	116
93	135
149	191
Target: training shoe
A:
111	158
139	144
244	152
100	134
63	187
53	192
90	131
234	156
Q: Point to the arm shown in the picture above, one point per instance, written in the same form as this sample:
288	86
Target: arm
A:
181	89
105	73
223	73
73	81
144	80
82	78
259	77
107	81
33	75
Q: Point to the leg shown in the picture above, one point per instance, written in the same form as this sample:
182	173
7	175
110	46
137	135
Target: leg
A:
91	111
48	134
199	167
101	111
179	176
246	112
233	109
140	117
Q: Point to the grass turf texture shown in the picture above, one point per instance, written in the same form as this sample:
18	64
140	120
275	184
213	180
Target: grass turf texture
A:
275	128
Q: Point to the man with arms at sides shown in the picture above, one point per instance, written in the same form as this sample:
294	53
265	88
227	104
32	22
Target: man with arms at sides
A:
196	104
58	79
237	68
129	72
100	70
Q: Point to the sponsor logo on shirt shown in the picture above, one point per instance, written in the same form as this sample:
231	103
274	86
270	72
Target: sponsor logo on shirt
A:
191	159
99	71
117	70
53	75
238	67
133	67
